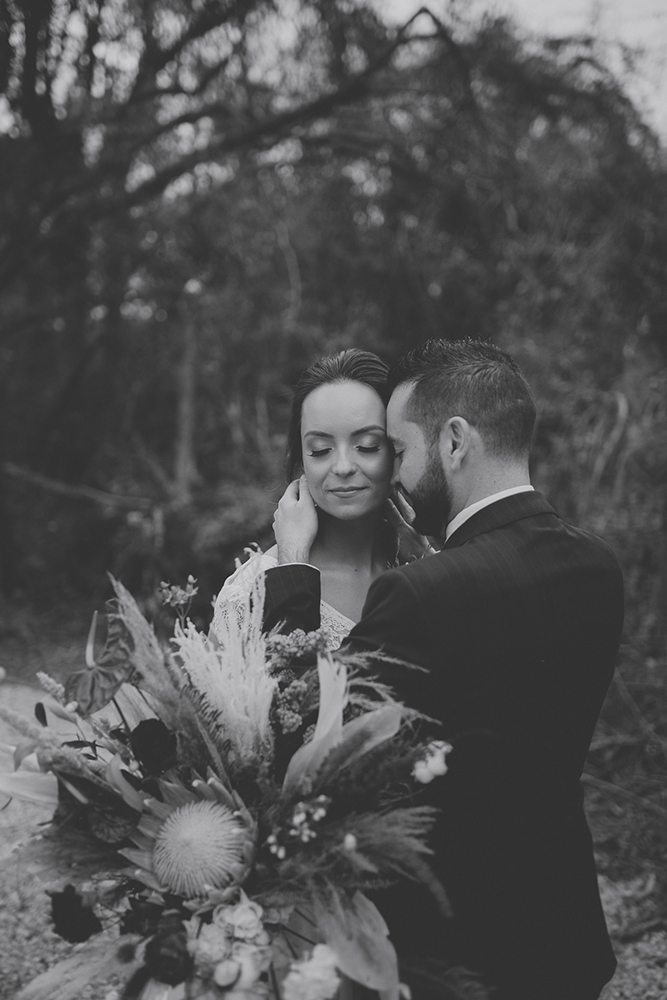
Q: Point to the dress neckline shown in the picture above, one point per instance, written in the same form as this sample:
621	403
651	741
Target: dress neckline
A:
339	614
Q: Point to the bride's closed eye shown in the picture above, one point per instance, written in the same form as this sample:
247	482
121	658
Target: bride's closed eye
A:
371	443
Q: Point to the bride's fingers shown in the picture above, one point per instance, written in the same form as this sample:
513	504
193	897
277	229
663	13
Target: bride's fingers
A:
291	494
393	515
404	508
304	491
400	518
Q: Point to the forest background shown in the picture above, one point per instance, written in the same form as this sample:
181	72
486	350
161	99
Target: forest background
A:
197	199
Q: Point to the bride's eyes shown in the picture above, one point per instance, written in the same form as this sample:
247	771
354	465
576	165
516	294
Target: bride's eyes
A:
365	449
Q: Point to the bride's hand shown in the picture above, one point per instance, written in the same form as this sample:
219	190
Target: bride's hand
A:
411	545
295	523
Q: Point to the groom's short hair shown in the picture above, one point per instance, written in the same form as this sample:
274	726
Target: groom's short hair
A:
472	379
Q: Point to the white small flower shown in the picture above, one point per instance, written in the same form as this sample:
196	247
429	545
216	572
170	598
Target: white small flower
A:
213	945
350	842
226	972
220	916
314	978
421	772
433	764
253	961
243	921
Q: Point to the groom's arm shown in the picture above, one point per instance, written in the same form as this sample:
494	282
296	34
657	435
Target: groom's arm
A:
394	628
292	598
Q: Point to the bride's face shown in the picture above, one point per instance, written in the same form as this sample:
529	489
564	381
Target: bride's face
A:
347	458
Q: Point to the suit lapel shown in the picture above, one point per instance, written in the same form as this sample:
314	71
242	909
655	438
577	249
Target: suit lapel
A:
499	514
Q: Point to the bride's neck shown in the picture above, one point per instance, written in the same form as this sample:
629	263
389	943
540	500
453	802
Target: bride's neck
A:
352	543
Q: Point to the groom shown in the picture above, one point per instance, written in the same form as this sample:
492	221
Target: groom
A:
516	624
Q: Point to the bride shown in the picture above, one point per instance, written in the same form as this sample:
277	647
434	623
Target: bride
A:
340	464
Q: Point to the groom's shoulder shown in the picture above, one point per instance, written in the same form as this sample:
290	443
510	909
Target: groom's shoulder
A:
592	548
443	580
444	568
518	547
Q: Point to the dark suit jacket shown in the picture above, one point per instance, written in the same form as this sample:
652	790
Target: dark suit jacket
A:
517	622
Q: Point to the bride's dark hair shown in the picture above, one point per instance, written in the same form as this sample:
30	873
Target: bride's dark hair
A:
351	365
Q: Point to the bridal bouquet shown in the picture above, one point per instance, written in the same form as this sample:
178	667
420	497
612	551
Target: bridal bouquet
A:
235	802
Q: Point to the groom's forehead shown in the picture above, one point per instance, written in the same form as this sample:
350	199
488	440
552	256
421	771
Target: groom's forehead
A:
398	426
399	399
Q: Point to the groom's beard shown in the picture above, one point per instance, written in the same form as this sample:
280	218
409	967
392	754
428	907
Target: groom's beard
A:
431	499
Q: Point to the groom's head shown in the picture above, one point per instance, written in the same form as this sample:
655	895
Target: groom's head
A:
461	418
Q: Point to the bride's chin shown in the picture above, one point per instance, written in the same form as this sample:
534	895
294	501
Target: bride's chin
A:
351	514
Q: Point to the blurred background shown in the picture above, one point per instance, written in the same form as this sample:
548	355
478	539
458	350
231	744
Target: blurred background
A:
199	198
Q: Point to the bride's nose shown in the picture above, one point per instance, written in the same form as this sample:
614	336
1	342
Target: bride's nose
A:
343	464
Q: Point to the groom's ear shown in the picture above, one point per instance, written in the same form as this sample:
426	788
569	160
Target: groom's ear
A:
454	443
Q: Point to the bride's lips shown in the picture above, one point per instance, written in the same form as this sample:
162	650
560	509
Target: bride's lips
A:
347	491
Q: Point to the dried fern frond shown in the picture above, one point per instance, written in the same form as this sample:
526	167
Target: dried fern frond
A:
230	684
154	671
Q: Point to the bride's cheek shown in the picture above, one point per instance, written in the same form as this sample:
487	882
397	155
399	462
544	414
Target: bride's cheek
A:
385	468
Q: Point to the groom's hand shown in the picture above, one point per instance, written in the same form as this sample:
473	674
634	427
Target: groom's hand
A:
295	523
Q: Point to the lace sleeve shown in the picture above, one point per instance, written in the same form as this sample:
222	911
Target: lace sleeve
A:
232	598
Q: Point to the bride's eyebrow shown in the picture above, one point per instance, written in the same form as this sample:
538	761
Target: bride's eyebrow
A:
366	430
362	430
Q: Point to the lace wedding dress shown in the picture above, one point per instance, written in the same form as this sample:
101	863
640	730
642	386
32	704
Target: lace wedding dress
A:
234	593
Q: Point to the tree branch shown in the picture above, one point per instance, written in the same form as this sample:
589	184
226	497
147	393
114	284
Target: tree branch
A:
206	77
87	184
77	492
210	17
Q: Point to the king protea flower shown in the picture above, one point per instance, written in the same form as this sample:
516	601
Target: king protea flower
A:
196	841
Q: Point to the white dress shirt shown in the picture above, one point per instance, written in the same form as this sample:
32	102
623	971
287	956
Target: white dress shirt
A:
467	512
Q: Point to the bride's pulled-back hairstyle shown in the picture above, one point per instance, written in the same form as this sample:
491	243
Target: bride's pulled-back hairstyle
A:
352	365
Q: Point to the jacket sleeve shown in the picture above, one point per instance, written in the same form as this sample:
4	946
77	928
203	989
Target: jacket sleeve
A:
393	623
292	598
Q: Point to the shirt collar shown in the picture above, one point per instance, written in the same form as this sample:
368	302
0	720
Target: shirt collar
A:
467	512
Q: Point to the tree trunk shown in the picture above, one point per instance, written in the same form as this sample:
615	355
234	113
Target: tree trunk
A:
185	465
